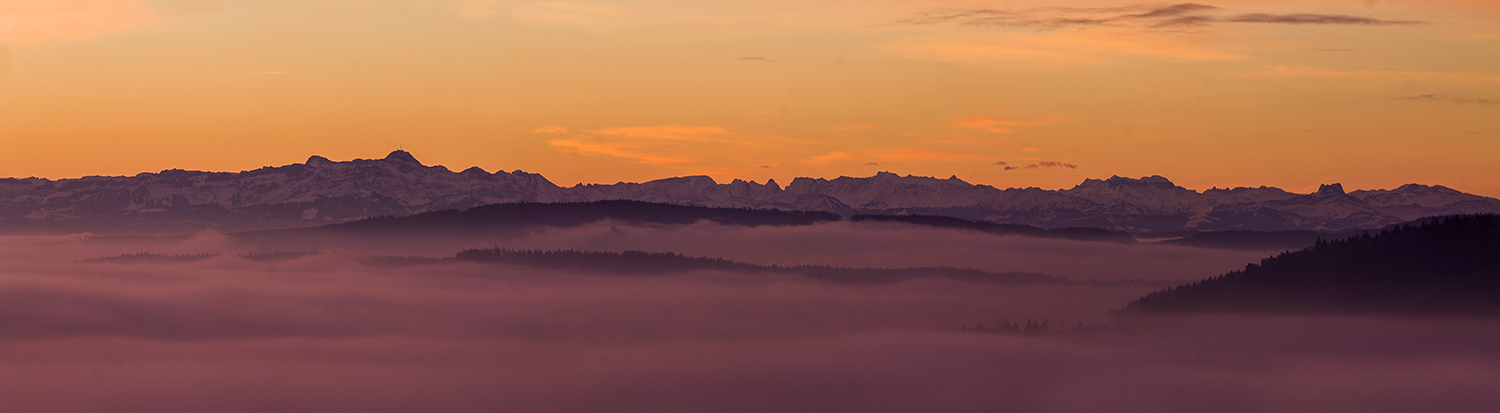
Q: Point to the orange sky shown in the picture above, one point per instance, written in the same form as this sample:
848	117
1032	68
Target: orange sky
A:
1369	93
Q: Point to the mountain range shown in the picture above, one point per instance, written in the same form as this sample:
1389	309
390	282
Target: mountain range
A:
320	191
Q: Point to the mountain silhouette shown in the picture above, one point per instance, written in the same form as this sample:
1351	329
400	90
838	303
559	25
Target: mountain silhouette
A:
1440	266
320	191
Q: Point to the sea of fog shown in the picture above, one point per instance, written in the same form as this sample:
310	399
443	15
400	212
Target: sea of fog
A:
326	332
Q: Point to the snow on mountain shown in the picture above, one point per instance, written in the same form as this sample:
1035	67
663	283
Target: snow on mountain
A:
322	191
1412	201
315	192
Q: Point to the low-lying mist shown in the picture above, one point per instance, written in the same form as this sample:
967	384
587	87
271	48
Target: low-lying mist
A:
327	332
846	244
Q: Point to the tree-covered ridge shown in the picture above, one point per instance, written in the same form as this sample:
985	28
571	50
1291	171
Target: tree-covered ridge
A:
496	218
663	263
562	215
149	258
1443	266
1081	234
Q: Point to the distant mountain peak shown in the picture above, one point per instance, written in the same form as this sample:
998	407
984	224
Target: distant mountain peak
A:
1333	189
1153	181
402	156
1426	188
317	161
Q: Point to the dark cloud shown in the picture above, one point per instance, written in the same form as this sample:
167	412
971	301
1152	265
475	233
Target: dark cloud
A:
1001	163
1440	97
1051	164
1421	98
1185	21
765	167
1011	168
1305	18
1182	15
872	164
1174	10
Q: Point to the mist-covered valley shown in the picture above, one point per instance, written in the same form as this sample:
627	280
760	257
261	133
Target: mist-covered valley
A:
226	322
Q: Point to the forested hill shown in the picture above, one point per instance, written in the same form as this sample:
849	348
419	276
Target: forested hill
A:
1081	234
647	263
493	217
499	218
1444	266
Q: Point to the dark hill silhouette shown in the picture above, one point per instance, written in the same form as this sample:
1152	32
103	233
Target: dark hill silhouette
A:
1443	266
528	214
1081	234
637	263
494	219
149	258
1256	240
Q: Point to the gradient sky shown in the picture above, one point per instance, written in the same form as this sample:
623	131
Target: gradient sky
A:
1019	93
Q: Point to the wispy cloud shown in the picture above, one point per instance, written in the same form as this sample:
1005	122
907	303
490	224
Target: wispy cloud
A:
829	158
552	13
666	145
1064	48
1148	17
28	21
1004	125
624	150
1441	97
1321	19
1312	72
853	127
477	9
668	132
1039	165
922	154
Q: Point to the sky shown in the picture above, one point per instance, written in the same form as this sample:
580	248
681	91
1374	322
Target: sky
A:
1293	94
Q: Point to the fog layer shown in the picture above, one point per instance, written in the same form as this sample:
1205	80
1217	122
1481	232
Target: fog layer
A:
326	333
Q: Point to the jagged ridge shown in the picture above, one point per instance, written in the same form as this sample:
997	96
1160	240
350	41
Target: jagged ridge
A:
322	191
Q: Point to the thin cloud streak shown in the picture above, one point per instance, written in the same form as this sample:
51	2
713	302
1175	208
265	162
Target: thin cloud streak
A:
1133	17
32	21
1440	97
616	149
1312	72
923	154
667	132
829	158
1004	125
